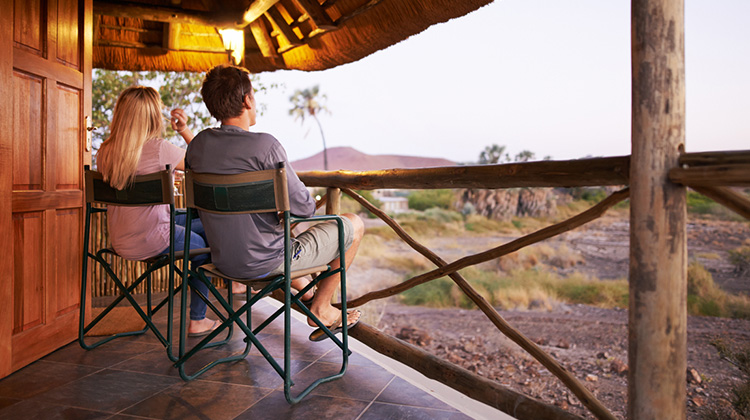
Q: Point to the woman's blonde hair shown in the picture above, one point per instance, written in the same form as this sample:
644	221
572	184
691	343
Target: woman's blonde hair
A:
137	118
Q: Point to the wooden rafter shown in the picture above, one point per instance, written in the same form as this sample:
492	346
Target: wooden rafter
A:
712	175
172	36
280	24
316	14
167	14
141	45
263	38
257	9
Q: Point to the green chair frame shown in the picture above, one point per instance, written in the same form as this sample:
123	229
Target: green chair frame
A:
261	192
146	190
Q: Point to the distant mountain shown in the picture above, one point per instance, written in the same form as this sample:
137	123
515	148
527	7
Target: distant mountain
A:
350	159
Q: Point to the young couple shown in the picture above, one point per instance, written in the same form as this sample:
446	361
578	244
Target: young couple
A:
243	246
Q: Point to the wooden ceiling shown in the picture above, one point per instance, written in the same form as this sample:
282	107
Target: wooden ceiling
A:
183	35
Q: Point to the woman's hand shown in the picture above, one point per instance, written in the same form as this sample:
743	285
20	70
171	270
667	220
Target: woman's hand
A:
179	124
179	119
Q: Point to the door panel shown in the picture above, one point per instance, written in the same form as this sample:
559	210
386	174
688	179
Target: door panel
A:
29	24
68	157
28	273
27	147
68	49
68	225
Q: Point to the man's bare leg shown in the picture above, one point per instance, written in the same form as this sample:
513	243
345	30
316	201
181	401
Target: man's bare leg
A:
321	305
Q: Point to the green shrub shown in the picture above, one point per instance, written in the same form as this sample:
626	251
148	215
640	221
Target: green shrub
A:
432	222
588	194
700	204
425	199
607	293
435	294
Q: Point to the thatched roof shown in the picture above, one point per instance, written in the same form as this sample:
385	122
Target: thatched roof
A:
183	35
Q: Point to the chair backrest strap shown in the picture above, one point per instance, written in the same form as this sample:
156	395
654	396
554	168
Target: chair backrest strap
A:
146	190
248	192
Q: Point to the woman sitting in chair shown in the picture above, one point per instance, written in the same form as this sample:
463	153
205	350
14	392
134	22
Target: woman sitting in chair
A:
135	147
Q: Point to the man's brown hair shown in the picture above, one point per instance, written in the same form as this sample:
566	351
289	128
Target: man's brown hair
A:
224	90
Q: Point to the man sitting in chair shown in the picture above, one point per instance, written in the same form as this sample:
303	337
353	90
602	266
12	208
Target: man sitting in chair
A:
252	245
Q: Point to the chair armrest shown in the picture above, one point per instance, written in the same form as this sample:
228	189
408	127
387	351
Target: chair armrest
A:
295	219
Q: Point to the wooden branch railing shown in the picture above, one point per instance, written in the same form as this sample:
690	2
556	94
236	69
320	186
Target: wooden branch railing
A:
570	173
710	174
726	169
583	394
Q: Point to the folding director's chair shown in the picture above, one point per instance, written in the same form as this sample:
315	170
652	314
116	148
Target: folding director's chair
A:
147	190
259	192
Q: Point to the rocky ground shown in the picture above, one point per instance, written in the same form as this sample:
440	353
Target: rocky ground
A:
591	342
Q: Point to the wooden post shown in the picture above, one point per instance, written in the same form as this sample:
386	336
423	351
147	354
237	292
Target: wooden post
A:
333	204
658	252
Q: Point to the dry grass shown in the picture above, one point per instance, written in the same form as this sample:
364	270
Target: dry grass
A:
521	289
540	254
706	298
708	256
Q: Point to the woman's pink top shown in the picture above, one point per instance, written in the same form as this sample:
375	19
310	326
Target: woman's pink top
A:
137	233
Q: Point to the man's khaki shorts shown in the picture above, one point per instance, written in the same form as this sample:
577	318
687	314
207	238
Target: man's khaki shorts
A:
318	245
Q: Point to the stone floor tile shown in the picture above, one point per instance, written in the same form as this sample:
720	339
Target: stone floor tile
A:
36	410
379	411
252	371
41	377
359	382
107	390
401	392
275	407
199	400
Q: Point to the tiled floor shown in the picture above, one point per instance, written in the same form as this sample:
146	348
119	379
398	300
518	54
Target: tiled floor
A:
132	378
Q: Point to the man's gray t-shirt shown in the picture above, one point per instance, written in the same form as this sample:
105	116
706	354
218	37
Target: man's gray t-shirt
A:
245	245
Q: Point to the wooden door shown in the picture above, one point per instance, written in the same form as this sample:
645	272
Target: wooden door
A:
46	96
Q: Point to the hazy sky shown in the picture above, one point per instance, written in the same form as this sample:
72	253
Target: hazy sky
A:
547	76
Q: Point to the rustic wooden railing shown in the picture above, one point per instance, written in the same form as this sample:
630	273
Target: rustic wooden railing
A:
707	173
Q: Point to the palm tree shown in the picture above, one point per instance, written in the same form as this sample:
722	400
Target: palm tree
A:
307	102
492	155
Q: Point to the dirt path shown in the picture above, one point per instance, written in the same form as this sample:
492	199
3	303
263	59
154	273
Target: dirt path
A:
591	342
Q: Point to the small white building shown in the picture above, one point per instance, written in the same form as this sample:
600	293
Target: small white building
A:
394	204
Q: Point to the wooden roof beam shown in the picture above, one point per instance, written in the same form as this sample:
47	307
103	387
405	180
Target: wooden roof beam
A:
223	19
280	24
155	48
317	15
172	36
256	10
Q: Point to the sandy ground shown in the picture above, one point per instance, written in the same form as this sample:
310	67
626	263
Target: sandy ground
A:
591	342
